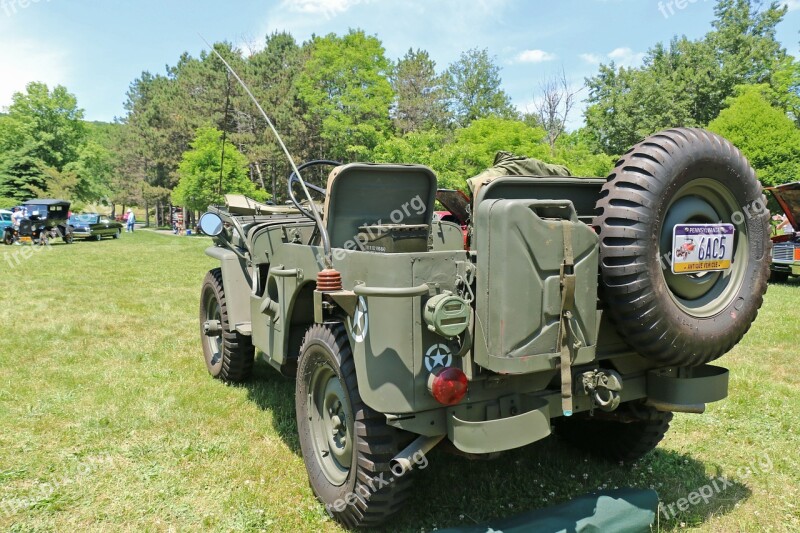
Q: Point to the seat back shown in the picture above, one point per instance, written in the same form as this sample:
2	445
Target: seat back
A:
365	194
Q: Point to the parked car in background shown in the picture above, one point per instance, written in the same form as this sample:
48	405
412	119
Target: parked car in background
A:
44	220
94	226
786	245
5	219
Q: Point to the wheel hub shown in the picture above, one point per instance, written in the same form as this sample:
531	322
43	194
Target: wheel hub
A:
329	425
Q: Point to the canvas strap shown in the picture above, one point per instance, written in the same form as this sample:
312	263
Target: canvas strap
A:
567	305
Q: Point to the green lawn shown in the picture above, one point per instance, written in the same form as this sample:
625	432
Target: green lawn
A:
108	420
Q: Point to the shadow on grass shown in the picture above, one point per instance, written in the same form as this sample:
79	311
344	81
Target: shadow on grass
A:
453	490
271	391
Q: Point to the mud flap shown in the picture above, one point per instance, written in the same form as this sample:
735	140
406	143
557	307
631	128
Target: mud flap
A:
621	511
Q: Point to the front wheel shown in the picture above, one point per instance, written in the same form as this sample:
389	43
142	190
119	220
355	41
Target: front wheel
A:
8	238
228	354
347	447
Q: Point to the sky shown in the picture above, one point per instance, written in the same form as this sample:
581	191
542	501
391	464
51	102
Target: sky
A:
96	49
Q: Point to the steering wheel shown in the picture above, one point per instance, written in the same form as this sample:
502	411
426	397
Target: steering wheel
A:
293	177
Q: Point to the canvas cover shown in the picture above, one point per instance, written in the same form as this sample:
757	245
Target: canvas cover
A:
621	511
508	164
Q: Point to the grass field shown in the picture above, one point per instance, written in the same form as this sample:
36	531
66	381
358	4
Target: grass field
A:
108	420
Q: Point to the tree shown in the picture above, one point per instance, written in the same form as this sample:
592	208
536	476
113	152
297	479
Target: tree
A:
688	82
22	173
345	88
765	135
43	130
93	172
575	151
53	119
472	86
478	143
431	148
419	94
554	106
272	73
199	172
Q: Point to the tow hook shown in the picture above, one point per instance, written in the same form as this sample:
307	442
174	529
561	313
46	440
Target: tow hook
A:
603	388
212	328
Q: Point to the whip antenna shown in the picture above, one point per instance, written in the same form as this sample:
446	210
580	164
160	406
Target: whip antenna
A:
326	243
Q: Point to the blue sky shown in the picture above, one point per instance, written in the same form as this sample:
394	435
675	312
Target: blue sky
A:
97	48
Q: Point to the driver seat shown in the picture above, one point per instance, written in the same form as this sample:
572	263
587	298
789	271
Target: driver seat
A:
362	194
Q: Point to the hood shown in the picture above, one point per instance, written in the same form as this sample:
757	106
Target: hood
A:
456	202
788	197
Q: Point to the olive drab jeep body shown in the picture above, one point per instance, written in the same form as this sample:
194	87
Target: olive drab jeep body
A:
566	310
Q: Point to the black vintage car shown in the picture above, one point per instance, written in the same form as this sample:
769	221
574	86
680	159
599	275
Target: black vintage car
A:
94	226
44	220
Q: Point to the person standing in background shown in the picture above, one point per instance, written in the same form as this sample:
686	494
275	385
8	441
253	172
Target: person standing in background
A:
785	226
130	221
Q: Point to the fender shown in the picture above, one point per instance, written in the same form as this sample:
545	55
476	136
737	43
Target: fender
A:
238	285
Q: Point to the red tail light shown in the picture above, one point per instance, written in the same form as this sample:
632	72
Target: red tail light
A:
449	386
797	253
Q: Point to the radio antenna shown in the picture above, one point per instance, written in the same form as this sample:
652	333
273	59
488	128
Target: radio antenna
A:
326	243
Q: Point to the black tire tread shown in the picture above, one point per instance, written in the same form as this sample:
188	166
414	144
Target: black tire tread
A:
638	179
376	442
238	353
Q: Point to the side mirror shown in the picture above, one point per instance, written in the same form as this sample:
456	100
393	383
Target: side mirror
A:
211	224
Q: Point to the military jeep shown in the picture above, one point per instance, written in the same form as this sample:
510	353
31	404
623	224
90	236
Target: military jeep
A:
587	306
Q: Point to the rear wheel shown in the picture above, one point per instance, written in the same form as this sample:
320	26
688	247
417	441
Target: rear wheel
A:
117	234
347	447
229	355
681	176
625	435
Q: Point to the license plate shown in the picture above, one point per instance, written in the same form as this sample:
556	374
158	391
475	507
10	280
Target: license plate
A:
701	247
25	239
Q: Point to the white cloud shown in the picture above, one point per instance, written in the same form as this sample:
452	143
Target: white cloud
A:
793	5
31	61
626	57
535	56
327	8
592	59
622	56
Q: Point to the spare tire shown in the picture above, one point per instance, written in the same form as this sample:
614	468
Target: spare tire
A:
681	176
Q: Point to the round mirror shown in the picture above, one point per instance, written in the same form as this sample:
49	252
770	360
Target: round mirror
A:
211	224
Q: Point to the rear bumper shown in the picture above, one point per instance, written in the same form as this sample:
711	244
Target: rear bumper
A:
515	420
